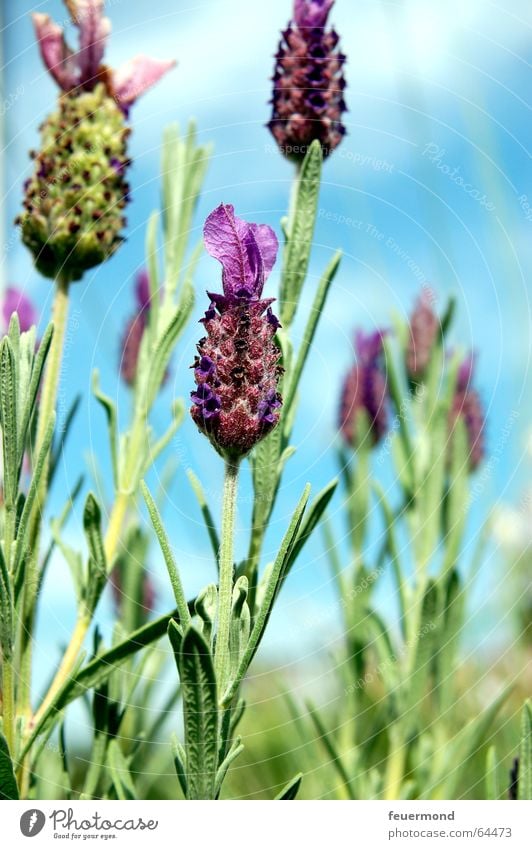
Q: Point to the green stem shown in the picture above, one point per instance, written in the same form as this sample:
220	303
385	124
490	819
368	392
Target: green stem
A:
225	591
46	409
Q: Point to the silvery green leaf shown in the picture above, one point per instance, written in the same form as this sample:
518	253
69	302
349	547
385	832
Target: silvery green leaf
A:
310	331
8	783
236	749
109	408
336	758
6	610
180	758
200	709
210	524
313	516
492	783
206	608
525	754
38	471
300	232
168	555
120	774
8	410
33	388
97	564
291	789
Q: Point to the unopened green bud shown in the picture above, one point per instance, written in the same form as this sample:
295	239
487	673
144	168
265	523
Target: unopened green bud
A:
74	202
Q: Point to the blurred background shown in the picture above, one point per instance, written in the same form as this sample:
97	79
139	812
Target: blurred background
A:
431	185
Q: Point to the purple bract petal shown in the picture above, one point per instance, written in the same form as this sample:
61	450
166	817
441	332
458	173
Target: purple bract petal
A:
136	76
17	301
93	32
247	252
312	13
56	54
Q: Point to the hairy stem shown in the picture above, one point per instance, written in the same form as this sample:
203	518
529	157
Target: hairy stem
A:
221	657
47	406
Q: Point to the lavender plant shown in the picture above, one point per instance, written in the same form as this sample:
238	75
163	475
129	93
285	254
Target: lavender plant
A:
436	441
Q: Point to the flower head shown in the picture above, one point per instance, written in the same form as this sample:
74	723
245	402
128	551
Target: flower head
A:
468	406
236	400
81	70
424	329
16	301
364	389
308	83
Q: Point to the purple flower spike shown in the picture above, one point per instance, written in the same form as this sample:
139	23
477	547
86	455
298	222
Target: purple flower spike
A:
365	389
84	69
236	402
142	289
308	83
17	301
424	329
468	405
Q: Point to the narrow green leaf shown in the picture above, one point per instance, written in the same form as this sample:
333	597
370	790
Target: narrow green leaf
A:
310	329
466	742
330	747
179	756
6	610
236	749
109	408
525	754
492	784
200	711
313	516
301	230
205	512
167	341
8	410
97	563
8	783
291	789
38	472
168	555
118	767
33	389
178	413
98	669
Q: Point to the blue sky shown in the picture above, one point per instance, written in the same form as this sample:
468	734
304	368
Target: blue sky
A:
435	92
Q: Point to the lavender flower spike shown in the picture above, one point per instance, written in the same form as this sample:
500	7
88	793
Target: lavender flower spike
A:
83	69
236	400
365	389
468	406
424	329
308	83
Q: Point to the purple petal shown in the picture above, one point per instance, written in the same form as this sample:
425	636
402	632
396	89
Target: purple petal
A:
17	301
56	54
312	13
93	32
134	77
247	252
